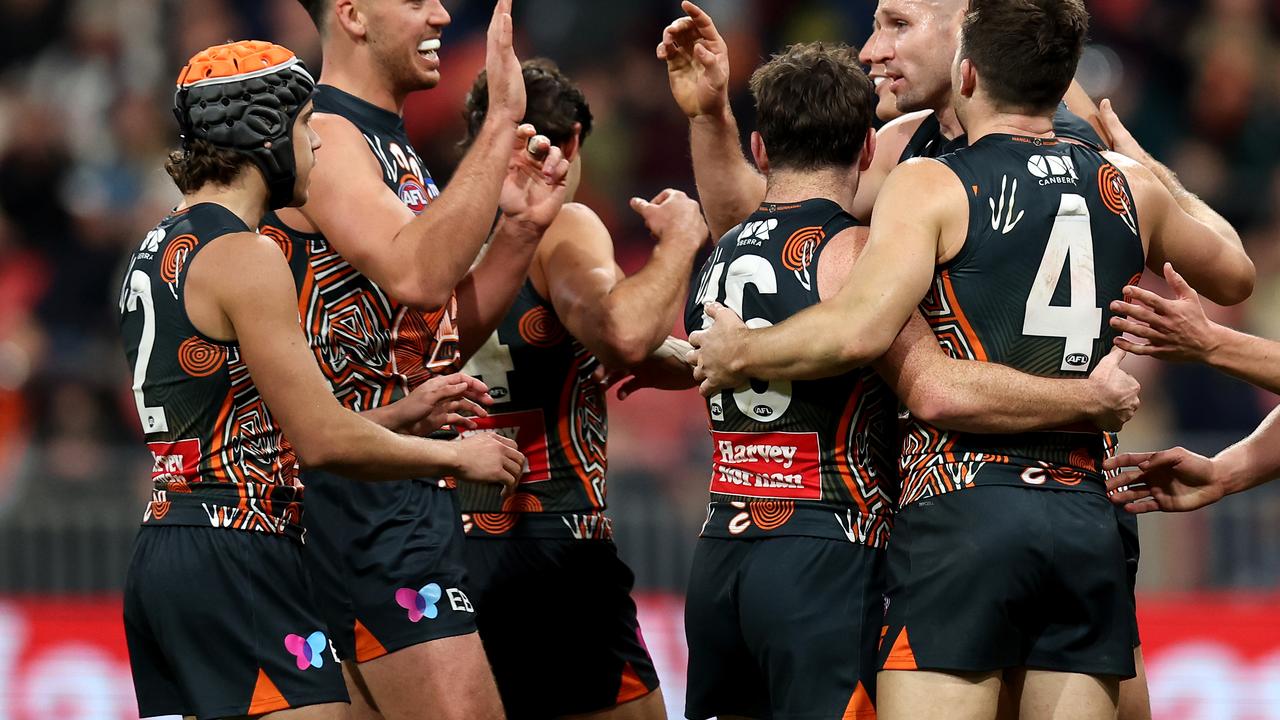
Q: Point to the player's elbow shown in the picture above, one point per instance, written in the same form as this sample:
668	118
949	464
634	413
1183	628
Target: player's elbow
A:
623	346
1238	284
860	350
318	448
420	294
937	407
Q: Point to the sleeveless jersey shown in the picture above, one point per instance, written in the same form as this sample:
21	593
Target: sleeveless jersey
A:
544	398
928	140
804	457
219	457
372	349
1053	239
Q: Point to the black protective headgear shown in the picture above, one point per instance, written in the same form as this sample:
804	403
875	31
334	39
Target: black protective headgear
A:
244	97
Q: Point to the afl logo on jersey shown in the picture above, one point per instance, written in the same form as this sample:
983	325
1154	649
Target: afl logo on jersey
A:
1077	359
413	194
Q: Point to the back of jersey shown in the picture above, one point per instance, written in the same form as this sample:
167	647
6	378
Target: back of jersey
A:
219	458
1053	239
812	457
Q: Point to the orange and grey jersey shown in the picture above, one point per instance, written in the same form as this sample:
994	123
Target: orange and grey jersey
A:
1053	239
804	457
544	398
219	457
373	349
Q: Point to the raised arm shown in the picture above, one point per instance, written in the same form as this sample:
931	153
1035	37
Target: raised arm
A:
419	260
532	196
243	281
921	210
697	60
1177	329
621	320
1182	228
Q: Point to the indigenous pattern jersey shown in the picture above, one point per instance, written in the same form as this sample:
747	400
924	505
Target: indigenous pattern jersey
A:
928	140
544	398
811	457
1053	239
373	349
219	457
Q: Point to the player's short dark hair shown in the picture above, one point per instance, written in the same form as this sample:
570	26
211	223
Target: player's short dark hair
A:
553	103
202	163
317	9
814	105
1026	51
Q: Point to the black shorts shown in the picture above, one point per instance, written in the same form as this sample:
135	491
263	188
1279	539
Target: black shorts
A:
558	624
996	577
783	628
387	562
1128	523
221	623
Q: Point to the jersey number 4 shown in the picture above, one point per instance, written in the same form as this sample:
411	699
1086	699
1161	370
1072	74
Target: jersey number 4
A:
756	271
1080	321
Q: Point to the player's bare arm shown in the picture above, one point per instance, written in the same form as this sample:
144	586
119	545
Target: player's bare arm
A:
1180	228
981	397
620	319
456	399
1178	480
532	196
920	220
418	260
239	288
1177	329
698	71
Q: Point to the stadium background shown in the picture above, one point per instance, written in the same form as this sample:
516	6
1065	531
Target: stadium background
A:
85	89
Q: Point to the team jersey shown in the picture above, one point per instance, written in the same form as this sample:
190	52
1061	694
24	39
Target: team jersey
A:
219	459
928	140
1053	239
539	377
803	457
372	349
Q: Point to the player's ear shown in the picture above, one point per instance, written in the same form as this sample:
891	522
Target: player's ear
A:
968	78
758	153
349	18
573	144
868	150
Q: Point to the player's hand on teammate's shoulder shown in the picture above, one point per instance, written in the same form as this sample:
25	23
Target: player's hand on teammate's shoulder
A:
502	67
1118	136
445	400
1175	480
673	217
487	457
717	350
1115	391
1169	328
697	63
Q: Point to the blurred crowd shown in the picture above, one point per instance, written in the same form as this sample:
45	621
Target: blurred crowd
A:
85	121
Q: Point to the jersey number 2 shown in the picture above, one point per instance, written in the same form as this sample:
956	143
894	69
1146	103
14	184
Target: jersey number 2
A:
139	297
1079	322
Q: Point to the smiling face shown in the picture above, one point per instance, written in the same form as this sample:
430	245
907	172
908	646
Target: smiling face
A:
915	41
404	37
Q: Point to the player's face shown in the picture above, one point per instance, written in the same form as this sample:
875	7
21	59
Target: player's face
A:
404	37
887	104
915	41
305	144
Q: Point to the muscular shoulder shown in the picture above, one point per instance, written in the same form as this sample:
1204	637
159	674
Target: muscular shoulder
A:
929	179
340	139
894	136
838	258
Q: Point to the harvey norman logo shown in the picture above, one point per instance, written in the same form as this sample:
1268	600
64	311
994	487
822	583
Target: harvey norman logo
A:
767	465
1053	169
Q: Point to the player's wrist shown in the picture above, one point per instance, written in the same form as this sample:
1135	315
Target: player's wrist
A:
715	117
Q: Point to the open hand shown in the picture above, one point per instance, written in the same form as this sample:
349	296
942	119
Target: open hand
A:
1172	328
1175	480
697	63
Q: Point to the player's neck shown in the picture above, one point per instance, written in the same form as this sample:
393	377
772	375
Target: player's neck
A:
949	122
793	186
981	117
246	198
358	78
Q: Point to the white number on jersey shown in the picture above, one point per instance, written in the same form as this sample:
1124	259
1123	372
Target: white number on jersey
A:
491	364
139	297
1080	322
746	270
